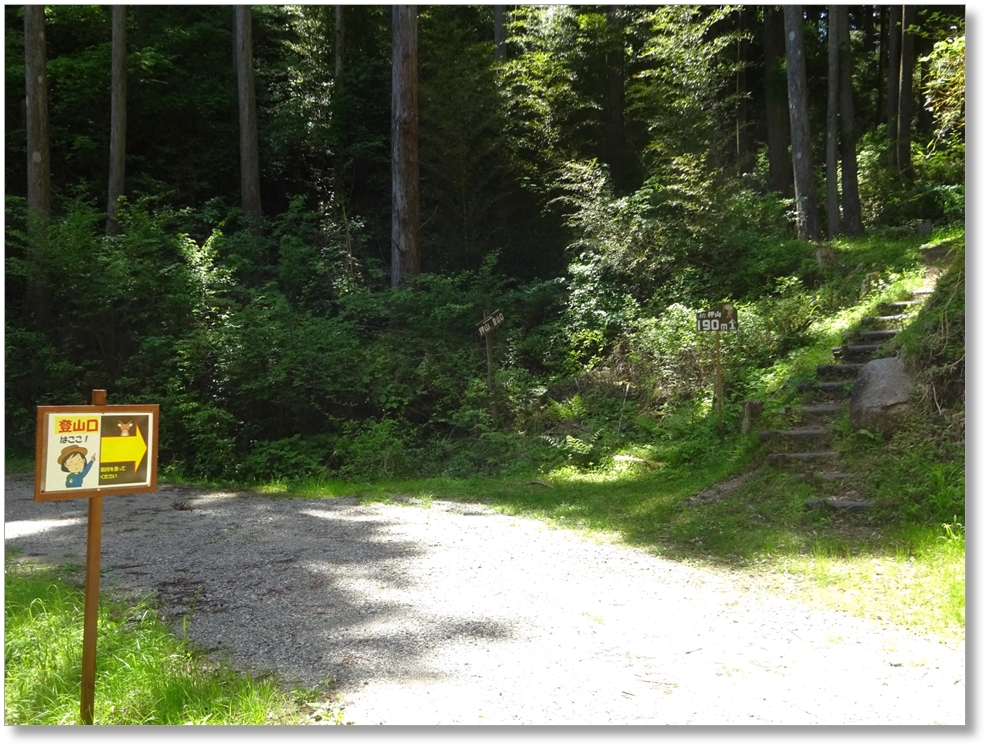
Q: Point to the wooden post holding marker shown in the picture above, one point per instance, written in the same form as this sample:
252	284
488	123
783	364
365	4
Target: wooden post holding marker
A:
88	452
485	328
723	317
719	387
91	608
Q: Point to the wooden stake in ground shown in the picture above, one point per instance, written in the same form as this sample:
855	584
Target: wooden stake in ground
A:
723	317
719	385
91	608
486	328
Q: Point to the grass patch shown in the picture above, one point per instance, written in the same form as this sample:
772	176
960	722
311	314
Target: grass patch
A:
144	674
913	576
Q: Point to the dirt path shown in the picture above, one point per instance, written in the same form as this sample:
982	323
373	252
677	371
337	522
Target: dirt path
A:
453	614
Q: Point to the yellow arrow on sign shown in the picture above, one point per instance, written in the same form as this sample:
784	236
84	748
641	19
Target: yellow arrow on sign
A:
123	449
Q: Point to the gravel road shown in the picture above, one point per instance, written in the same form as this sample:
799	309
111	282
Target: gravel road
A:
449	613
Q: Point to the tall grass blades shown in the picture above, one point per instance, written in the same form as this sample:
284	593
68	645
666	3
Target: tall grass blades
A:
144	675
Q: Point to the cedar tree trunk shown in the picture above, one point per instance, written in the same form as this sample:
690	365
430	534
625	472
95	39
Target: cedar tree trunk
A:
404	145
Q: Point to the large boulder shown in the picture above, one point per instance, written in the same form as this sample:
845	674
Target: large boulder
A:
881	396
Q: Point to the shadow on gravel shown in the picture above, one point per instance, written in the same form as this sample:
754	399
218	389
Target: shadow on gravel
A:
311	590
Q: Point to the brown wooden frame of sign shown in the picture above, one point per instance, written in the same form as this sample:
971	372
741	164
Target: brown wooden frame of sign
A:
94	528
41	450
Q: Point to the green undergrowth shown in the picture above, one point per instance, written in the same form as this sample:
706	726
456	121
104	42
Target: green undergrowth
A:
144	674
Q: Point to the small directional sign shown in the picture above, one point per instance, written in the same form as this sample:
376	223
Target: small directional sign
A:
490	322
722	317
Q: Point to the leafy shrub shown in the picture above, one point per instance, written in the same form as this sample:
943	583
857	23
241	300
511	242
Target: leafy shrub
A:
285	458
937	191
678	361
376	449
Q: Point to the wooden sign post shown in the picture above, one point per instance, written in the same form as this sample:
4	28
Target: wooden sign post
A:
722	317
485	328
90	451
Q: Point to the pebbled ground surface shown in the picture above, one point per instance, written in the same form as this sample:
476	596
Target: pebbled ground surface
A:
450	613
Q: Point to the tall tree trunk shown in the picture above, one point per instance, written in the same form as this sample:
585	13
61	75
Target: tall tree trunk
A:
615	105
742	125
250	169
923	47
893	77
38	299
36	89
142	21
831	157
851	206
118	116
796	74
338	29
905	111
877	39
501	51
777	118
405	259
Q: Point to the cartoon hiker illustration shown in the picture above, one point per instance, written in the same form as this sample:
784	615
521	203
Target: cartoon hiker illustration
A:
73	462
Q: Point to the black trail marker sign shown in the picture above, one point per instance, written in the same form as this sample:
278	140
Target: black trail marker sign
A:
722	317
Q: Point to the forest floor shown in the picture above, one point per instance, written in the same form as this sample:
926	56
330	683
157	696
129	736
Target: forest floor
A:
438	612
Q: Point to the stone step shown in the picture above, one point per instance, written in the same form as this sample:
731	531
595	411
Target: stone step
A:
855	352
823	409
899	306
838	505
886	320
806	433
781	459
826	477
834	387
871	335
838	370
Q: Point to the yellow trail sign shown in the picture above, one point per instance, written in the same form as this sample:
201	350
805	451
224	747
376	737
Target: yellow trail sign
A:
87	450
70	440
123	449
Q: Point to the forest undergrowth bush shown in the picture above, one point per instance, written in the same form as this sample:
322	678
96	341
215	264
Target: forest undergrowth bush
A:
259	383
256	380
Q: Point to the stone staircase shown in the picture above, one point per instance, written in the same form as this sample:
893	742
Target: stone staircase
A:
807	446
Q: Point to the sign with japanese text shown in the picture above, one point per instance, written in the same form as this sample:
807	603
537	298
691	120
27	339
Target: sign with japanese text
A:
84	451
490	322
722	317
